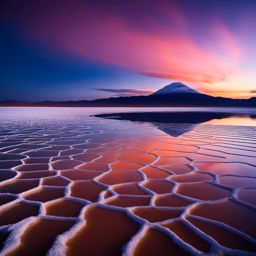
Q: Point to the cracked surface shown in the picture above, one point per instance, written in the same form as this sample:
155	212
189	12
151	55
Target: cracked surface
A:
82	184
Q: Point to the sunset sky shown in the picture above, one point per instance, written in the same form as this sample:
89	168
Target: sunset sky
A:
71	50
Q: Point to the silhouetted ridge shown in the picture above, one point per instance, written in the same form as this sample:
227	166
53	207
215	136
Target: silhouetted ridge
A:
173	95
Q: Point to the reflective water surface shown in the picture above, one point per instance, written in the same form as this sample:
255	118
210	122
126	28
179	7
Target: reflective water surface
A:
171	182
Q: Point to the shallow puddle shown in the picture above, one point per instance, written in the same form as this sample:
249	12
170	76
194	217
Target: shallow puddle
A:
45	232
224	236
88	190
92	239
202	191
189	236
155	242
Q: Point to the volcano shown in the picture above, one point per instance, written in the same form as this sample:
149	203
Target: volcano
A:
176	88
175	94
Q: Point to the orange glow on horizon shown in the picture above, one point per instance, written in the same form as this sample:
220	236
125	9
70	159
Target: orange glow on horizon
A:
234	120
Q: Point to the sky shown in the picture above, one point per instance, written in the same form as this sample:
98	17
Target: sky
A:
73	50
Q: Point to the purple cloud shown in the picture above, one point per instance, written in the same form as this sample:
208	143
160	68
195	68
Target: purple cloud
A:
125	92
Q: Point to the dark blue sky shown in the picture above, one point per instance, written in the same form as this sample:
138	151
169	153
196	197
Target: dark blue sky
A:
81	49
31	71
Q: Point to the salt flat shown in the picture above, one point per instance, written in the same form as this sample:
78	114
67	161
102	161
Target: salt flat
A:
87	185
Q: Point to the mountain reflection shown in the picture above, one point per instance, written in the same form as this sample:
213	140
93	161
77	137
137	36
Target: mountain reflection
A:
174	124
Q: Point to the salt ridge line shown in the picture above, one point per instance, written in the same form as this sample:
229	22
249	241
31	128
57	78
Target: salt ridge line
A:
153	192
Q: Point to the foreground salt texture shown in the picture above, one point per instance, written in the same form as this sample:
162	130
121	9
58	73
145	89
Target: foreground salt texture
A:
89	186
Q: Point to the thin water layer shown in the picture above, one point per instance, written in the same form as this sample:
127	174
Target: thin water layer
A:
72	183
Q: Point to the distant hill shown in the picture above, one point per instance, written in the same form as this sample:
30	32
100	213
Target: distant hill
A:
173	95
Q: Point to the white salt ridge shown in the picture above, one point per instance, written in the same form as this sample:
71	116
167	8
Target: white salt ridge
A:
59	247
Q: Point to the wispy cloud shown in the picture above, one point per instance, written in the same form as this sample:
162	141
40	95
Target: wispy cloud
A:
105	36
125	92
165	39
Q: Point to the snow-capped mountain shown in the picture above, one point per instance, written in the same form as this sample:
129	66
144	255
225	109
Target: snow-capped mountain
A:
175	94
175	88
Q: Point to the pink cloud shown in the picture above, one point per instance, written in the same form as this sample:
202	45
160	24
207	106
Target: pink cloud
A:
103	33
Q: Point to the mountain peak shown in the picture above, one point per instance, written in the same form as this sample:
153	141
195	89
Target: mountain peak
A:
175	88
